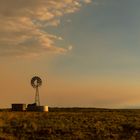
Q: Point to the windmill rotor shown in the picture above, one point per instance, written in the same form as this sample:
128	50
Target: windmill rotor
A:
36	82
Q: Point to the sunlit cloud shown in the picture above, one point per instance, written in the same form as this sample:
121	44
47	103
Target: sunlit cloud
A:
23	25
88	1
70	47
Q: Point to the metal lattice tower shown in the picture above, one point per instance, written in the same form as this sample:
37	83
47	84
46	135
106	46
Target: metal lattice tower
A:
36	82
37	100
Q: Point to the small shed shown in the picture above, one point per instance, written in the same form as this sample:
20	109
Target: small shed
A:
18	107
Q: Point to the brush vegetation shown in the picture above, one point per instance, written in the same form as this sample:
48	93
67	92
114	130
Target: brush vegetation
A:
71	124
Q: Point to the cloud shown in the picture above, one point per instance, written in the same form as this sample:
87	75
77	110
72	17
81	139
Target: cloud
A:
88	1
22	25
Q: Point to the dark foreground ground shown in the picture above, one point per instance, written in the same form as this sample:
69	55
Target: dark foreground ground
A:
71	124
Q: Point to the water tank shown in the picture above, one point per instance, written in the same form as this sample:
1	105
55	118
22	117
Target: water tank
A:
37	108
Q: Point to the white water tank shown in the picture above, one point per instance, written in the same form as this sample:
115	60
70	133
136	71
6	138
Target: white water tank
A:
38	108
43	108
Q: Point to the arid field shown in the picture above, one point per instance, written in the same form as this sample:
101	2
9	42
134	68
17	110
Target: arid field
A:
71	124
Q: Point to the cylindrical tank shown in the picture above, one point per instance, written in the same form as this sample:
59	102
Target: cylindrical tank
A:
37	108
43	108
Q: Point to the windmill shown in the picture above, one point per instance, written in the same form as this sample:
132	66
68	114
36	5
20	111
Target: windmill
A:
36	82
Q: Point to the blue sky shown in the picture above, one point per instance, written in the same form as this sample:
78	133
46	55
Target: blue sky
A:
104	36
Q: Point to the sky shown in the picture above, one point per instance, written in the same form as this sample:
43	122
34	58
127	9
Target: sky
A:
85	51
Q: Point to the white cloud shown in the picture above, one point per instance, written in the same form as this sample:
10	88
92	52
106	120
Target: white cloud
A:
88	1
70	47
22	23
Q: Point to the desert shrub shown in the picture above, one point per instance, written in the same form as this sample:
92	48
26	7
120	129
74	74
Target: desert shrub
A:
67	125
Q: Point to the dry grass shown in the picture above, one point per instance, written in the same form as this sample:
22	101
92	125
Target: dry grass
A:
71	124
